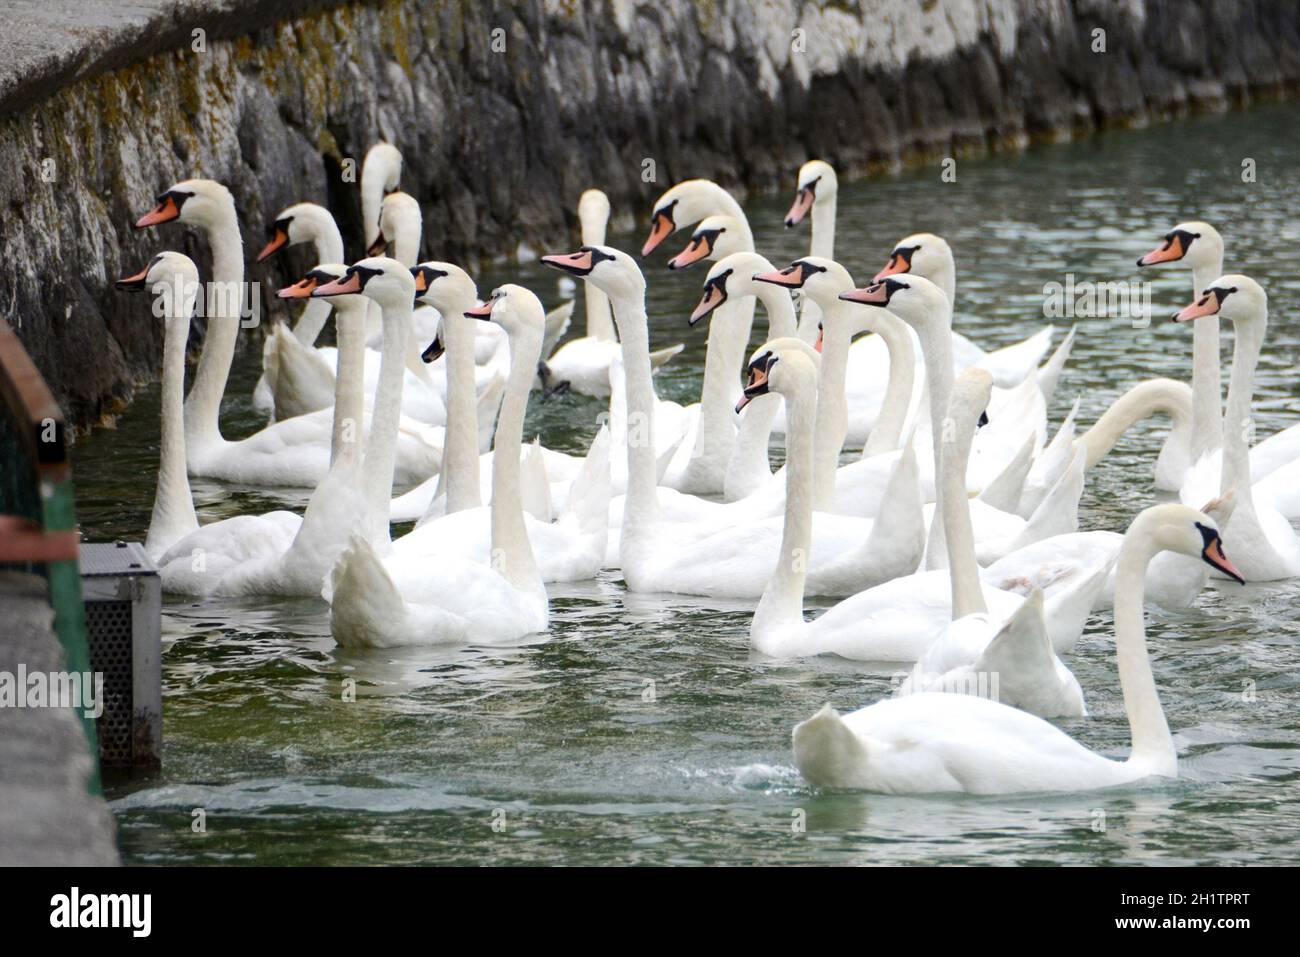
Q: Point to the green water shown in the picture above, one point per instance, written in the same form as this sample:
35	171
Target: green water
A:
554	742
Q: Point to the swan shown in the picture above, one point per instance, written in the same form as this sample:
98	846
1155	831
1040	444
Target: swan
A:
1274	462
582	364
690	558
816	191
295	452
932	743
930	256
452	599
308	384
1263	540
732	277
276	553
899	619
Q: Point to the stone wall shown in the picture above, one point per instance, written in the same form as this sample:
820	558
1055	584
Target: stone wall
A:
104	104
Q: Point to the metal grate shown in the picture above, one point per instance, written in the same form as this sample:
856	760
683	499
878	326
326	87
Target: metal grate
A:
109	629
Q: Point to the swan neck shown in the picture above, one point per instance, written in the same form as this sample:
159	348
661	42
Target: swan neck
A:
1237	423
512	554
460	464
223	304
832	401
958	531
641	508
887	433
781	320
724	357
349	381
1151	739
782	599
1140	402
1207	396
822	242
173	505
385	418
600	318
312	319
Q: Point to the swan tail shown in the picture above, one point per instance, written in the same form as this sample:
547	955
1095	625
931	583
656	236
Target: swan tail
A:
1007	487
1020	664
1012	364
1051	370
365	605
898	533
589	493
557	324
1049	465
535	484
304	381
661	357
665	458
488	405
1058	512
1071	602
826	751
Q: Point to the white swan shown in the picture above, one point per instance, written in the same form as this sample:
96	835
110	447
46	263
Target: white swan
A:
452	599
582	364
273	554
687	558
816	191
1263	540
295	452
307	383
901	618
934	743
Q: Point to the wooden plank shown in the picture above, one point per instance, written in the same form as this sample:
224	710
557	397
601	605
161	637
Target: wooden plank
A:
29	403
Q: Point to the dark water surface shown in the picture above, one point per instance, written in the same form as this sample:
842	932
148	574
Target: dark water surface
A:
552	753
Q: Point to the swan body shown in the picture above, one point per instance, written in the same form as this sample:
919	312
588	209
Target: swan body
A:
954	743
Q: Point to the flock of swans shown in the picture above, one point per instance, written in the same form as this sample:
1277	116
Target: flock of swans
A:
951	539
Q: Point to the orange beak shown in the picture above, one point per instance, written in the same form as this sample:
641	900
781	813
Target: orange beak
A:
421	283
821	337
1207	305
698	249
302	289
757	386
481	311
578	263
164	212
791	278
660	229
897	263
348	285
133	282
1170	252
874	295
713	297
1213	555
803	201
273	245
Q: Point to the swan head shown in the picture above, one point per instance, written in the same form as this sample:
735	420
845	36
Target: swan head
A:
731	276
969	401
688	202
821	279
319	276
1180	528
514	308
922	254
171	276
714	237
787	366
613	272
299	223
447	288
914	299
816	186
200	202
400	223
1199	244
1234	297
381	173
384	280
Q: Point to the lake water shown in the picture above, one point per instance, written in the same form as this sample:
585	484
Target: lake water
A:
551	753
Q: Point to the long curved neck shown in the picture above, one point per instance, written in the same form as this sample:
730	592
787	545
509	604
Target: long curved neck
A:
349	379
959	534
782	600
641	509
1151	739
314	315
1237	419
832	402
936	350
173	506
381	449
512	555
729	329
226	294
779	307
1143	400
823	229
1207	395
887	433
600	318
460	450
